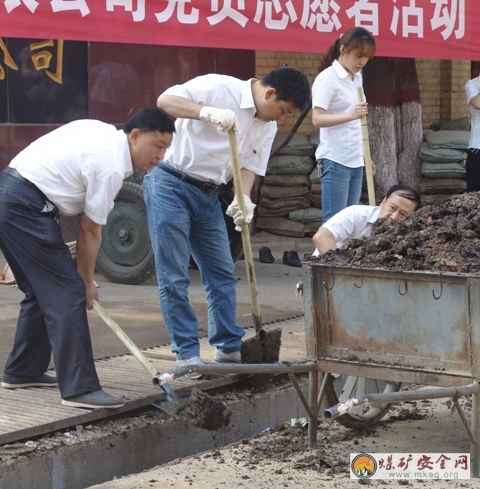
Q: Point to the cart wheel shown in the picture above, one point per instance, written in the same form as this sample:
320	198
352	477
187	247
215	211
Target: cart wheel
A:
125	255
341	387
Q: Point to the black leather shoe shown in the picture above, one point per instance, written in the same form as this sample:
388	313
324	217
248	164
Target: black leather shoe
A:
266	255
291	259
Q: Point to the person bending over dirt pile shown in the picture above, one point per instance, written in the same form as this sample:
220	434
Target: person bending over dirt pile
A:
444	238
356	221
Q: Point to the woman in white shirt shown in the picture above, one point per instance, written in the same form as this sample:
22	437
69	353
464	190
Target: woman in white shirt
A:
336	113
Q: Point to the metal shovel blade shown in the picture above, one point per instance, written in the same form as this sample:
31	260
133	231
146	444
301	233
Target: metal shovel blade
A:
172	402
198	408
264	347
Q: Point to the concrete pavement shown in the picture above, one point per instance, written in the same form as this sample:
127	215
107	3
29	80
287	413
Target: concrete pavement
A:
136	307
136	444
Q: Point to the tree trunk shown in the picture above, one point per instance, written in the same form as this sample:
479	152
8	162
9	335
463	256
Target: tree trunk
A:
394	120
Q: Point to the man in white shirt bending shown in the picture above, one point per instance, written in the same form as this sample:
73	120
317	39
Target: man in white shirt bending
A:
356	221
77	168
184	213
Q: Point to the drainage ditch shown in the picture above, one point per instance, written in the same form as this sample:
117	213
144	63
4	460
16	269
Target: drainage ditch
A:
91	454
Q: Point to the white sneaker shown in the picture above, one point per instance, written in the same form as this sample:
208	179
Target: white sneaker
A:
220	357
191	361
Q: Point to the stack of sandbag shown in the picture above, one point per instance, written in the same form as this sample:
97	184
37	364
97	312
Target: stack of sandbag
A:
443	155
315	193
286	189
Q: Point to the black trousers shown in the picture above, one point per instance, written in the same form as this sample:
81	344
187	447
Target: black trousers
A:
53	314
472	168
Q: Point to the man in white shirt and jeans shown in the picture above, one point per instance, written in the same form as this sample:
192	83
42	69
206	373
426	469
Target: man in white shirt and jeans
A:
79	167
356	221
472	166
184	212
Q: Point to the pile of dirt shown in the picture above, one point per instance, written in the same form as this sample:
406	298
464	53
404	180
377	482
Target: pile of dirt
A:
203	411
264	347
443	238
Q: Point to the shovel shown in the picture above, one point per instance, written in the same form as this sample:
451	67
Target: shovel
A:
198	409
366	151
264	347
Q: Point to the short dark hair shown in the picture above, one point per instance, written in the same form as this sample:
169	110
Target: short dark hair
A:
407	193
147	119
290	84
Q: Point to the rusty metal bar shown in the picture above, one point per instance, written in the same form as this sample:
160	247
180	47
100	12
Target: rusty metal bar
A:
381	398
321	393
300	395
312	400
475	449
234	368
464	421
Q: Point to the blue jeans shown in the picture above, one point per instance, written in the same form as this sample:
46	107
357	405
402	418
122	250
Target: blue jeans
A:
185	221
341	187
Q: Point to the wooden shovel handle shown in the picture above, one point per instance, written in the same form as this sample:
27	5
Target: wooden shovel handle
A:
122	336
366	151
247	246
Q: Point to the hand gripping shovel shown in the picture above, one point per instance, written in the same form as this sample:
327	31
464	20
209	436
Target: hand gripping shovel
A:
264	347
198	408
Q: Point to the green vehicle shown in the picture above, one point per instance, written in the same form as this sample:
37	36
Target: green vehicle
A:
126	255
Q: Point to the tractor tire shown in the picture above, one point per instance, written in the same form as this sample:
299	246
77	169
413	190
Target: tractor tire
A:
126	255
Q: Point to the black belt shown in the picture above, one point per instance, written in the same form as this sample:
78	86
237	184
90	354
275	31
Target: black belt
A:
473	151
207	187
14	173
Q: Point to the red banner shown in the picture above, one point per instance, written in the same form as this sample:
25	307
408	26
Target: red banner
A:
443	29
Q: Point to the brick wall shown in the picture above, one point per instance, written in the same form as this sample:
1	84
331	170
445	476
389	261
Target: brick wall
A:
441	85
306	62
442	89
461	73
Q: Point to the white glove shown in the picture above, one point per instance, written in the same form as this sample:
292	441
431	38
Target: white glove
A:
236	213
224	119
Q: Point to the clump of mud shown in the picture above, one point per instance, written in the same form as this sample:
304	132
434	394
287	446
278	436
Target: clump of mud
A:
444	238
264	347
203	411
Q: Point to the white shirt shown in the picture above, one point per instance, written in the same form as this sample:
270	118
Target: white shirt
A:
472	88
334	91
80	167
200	149
353	222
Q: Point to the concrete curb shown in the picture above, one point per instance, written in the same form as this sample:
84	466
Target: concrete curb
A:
127	449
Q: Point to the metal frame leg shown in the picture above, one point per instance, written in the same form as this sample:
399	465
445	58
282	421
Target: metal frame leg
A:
313	402
474	447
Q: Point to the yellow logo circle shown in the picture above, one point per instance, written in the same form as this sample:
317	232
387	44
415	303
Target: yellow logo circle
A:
364	466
